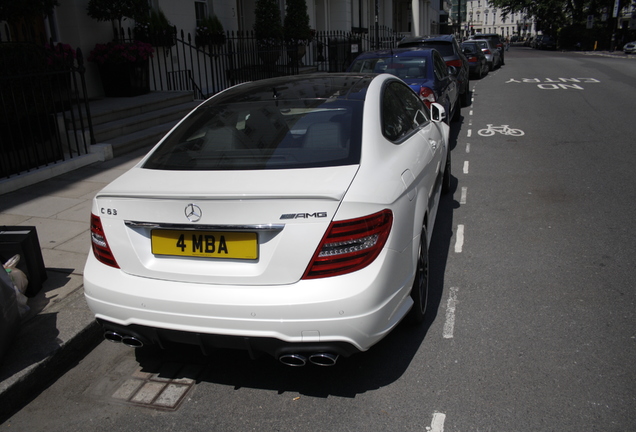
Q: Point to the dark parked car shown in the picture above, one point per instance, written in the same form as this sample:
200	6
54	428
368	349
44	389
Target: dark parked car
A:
545	42
424	70
477	63
495	40
453	56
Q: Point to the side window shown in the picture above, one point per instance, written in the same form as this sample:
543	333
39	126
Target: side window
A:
441	70
400	108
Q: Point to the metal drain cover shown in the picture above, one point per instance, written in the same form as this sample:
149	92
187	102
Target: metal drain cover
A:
163	390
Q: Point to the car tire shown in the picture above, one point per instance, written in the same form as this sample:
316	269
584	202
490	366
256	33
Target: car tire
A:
419	291
457	115
446	179
465	96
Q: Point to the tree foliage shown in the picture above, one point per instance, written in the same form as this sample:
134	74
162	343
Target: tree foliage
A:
12	10
268	25
117	10
553	16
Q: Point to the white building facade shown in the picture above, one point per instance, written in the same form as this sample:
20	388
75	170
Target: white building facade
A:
481	17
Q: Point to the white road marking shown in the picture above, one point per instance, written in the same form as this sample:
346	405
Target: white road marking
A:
467	147
470	112
437	425
462	200
465	167
449	325
459	242
469	133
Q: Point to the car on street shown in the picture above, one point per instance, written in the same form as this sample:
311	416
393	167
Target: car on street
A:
477	62
495	40
290	216
545	42
423	69
630	48
493	55
449	48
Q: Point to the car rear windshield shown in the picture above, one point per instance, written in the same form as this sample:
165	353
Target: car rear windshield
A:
271	134
470	48
403	67
444	48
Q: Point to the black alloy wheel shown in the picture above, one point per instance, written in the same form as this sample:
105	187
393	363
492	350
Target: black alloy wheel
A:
419	291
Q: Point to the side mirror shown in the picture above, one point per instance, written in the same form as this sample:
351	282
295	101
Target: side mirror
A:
438	113
452	70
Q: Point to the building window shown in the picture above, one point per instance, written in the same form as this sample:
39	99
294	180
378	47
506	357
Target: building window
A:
200	11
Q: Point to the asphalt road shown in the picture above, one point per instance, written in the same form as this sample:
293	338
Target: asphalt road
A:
533	296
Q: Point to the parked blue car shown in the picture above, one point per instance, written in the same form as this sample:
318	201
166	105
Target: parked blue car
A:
423	69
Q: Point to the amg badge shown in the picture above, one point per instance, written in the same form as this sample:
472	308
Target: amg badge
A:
304	215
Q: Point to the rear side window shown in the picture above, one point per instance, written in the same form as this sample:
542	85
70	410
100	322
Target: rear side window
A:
264	135
445	48
402	111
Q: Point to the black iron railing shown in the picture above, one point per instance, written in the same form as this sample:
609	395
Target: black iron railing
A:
44	111
206	66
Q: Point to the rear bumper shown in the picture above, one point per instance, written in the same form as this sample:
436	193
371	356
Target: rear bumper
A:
208	342
342	315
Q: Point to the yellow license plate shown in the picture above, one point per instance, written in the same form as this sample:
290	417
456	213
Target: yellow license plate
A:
208	244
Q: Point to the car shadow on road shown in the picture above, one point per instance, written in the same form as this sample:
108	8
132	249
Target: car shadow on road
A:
380	366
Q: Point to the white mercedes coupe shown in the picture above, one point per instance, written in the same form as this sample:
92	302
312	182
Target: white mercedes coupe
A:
290	216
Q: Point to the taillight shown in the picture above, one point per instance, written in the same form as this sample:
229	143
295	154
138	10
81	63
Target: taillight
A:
457	63
485	51
100	244
428	96
350	245
472	59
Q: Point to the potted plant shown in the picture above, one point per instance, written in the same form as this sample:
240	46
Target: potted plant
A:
268	30
123	67
296	29
210	32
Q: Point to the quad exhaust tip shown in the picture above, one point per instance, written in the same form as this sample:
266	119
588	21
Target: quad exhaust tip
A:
319	359
129	341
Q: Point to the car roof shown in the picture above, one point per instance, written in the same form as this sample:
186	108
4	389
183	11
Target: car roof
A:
397	52
307	86
442	38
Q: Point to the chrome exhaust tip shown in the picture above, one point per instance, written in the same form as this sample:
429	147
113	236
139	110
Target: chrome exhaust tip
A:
295	360
113	336
323	359
132	342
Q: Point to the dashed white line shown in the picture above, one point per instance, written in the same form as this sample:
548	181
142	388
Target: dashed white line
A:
465	167
462	200
469	132
437	425
467	147
449	324
459	242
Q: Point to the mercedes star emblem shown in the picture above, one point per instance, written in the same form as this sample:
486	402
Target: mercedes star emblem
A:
193	212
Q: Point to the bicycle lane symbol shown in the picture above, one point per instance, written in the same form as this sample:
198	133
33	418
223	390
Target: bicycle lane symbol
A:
503	129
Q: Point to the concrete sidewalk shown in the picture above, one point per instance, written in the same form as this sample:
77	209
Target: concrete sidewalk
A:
59	328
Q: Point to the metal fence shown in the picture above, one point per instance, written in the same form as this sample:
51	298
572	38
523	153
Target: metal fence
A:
44	112
207	65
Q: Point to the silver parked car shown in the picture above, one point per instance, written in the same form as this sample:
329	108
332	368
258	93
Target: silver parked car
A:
630	48
493	56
